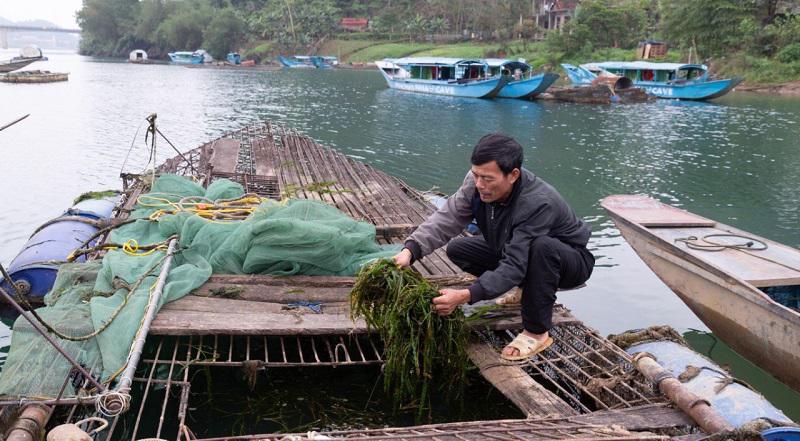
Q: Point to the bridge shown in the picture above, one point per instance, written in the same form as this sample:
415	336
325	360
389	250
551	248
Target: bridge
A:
4	30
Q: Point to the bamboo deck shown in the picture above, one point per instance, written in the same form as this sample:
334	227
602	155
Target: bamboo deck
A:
578	388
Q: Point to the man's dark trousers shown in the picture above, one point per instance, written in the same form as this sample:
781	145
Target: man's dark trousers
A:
552	264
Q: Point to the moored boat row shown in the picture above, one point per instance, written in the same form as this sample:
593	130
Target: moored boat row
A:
472	78
502	78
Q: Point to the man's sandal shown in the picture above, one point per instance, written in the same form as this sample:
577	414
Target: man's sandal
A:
527	347
512	297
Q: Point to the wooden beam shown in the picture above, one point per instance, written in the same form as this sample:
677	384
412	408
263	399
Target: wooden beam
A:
512	381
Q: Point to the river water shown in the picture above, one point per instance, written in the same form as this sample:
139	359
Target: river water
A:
734	159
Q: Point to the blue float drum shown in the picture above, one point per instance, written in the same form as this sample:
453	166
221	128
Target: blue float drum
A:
34	268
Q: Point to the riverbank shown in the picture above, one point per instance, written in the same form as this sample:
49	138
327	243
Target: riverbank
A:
790	89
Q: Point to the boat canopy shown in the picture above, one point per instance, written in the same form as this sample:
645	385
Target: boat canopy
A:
137	54
508	64
433	61
642	65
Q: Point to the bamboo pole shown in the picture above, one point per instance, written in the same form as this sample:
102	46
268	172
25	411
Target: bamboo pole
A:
14	122
117	402
699	409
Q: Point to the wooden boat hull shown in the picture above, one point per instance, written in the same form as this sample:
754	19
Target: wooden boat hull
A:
34	77
474	89
528	88
742	316
13	65
705	90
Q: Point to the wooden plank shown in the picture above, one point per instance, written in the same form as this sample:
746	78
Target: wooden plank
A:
278	293
263	315
649	212
777	265
320	281
224	155
513	382
230	306
179	322
648	417
264	157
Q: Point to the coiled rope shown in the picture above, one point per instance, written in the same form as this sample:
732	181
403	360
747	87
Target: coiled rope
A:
749	244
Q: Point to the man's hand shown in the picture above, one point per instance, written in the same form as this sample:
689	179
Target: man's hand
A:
449	299
403	258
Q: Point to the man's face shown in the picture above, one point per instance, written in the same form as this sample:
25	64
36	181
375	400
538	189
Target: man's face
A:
491	183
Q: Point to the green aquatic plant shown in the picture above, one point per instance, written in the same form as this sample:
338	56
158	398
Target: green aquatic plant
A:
95	195
422	350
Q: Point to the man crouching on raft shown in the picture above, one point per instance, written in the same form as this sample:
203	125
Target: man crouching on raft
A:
530	238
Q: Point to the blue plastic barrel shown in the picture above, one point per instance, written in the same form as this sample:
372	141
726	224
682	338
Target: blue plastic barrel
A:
781	434
37	264
94	208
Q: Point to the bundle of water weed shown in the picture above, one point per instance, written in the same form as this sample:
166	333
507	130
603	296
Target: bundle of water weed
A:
422	349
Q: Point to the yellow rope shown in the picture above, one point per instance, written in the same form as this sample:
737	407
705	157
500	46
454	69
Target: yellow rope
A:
221	210
131	248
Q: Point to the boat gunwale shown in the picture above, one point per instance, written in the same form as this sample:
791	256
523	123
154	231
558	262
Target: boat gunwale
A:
750	293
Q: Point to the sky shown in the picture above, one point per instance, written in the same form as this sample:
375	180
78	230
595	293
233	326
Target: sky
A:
60	12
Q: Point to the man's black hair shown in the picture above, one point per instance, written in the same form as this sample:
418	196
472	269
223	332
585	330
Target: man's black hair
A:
498	147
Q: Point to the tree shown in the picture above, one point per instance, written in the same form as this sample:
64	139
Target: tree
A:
223	33
598	24
710	26
296	24
183	29
104	22
416	26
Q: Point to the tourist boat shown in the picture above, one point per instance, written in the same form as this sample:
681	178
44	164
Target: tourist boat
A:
324	62
747	291
522	82
185	57
663	80
28	55
442	76
296	62
234	58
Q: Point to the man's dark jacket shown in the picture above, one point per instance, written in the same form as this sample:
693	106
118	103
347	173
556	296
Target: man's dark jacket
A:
534	209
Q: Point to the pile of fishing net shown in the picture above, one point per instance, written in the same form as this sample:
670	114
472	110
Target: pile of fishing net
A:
110	297
423	350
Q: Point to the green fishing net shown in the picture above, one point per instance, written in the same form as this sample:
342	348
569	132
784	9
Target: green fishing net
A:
278	238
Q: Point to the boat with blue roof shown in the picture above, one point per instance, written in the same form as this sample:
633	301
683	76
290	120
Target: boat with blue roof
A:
296	62
468	78
324	61
663	80
522	83
185	57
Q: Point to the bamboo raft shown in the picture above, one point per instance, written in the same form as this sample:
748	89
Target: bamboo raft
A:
582	387
34	76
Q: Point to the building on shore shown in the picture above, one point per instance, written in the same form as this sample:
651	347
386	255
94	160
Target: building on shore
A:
553	14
